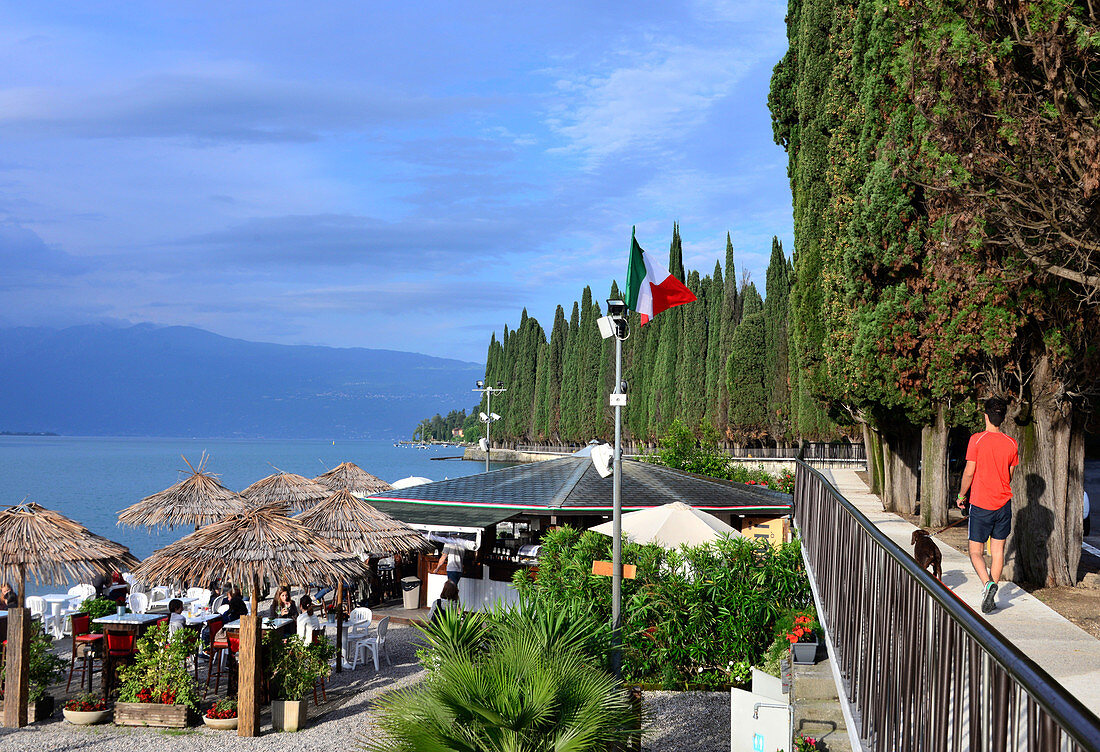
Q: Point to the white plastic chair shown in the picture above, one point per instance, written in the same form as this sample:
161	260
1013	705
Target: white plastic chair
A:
138	602
201	594
39	610
374	644
138	587
158	594
356	628
216	604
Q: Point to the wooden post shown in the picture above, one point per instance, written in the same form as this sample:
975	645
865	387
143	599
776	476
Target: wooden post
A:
248	670
339	625
17	684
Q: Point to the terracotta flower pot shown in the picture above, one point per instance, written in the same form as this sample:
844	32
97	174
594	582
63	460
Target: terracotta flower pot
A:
85	717
221	724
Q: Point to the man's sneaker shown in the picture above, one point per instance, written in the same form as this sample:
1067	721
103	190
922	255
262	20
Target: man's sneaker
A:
990	593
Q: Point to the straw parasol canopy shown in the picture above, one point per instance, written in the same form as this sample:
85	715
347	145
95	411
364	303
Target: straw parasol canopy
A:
54	549
197	500
347	476
353	525
259	543
286	489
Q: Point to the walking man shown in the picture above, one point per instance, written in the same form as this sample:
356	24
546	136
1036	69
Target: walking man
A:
990	459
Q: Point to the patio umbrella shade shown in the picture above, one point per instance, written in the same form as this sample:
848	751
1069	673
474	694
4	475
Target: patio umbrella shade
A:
351	524
197	500
259	543
347	476
54	550
671	525
288	489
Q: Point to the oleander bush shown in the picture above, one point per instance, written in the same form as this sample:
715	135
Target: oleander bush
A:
159	672
701	615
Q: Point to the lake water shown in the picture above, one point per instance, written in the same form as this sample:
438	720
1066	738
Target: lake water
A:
91	479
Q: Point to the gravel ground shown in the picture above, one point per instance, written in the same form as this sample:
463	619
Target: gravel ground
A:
675	721
686	721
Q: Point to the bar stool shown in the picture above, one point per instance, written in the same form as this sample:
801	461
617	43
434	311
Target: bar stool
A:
83	638
120	649
224	652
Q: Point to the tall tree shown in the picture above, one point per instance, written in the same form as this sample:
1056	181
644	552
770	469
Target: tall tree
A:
691	367
745	372
715	296
555	377
775	342
728	319
571	379
663	397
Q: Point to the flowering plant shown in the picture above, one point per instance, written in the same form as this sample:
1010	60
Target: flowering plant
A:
803	629
87	703
223	709
807	744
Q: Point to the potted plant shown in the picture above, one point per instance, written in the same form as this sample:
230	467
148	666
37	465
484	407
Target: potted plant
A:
97	608
801	633
222	715
43	669
86	709
295	670
157	689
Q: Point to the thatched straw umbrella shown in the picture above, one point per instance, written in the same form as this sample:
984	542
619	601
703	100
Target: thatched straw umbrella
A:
351	524
259	543
286	489
197	500
347	476
54	550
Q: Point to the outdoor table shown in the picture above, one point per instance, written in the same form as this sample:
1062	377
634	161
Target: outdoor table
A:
56	601
163	605
266	624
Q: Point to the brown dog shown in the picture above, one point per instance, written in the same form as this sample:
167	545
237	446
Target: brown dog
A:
926	552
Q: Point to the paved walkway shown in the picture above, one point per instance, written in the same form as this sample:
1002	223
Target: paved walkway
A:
1063	650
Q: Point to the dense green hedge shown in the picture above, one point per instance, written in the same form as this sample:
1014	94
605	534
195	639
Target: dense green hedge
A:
704	614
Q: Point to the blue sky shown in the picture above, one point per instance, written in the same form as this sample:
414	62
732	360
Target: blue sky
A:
395	175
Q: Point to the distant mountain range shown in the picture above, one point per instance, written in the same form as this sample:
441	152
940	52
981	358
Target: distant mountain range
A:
148	380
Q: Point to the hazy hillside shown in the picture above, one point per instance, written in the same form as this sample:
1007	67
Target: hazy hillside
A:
179	381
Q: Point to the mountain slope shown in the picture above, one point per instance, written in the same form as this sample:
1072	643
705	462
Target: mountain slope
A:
146	380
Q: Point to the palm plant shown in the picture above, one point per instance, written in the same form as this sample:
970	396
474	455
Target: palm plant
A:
516	681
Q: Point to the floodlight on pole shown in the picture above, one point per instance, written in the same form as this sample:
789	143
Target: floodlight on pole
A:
488	417
614	325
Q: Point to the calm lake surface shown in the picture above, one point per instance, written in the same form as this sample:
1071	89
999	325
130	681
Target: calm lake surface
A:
92	479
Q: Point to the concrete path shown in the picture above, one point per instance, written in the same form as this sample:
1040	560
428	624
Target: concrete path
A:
817	710
1063	650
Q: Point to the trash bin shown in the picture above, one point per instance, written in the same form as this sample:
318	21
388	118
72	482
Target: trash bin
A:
410	592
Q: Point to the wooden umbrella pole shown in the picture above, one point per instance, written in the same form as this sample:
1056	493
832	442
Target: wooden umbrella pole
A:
248	663
17	661
340	625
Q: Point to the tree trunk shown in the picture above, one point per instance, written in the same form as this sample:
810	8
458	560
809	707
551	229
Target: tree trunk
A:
1044	546
933	473
901	453
872	447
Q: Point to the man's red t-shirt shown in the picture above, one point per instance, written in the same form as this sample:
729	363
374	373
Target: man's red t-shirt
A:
993	454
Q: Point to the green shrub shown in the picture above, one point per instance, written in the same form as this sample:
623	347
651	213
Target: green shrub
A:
159	672
518	679
97	608
295	666
692	615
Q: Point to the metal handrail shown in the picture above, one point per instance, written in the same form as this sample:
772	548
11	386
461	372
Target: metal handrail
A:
1081	725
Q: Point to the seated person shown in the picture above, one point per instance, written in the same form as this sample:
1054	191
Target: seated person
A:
237	607
448	598
176	619
307	622
282	607
9	598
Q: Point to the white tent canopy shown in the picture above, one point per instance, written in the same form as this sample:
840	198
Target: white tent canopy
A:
412	480
671	525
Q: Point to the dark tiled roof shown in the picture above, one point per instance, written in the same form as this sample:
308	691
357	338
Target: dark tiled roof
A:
571	484
453	515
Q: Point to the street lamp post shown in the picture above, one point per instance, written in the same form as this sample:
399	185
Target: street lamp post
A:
614	325
489	416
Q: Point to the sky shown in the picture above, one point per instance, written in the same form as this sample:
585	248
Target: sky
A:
406	176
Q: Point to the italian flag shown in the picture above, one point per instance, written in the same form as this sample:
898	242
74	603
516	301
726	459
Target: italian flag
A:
650	289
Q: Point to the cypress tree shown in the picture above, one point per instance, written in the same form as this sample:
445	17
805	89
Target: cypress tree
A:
541	427
691	370
663	395
775	342
555	374
715	369
571	369
751	300
589	374
728	323
745	370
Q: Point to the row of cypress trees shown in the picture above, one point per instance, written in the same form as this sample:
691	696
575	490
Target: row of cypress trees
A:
719	364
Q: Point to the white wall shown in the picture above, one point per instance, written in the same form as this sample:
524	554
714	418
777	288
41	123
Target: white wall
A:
475	595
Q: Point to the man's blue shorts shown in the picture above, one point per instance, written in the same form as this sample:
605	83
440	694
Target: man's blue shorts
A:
454	576
990	523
